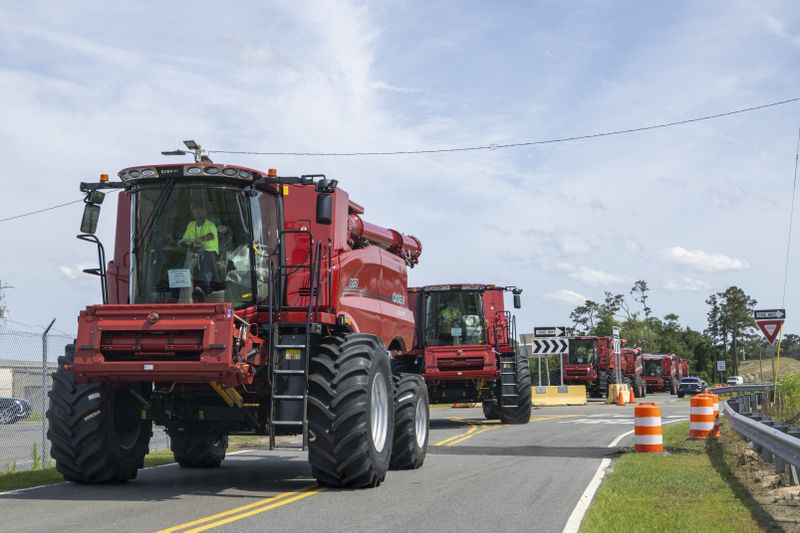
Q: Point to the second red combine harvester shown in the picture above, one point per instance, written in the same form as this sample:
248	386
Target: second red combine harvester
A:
465	349
240	303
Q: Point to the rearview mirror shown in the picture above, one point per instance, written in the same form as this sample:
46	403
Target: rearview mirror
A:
91	214
324	208
517	301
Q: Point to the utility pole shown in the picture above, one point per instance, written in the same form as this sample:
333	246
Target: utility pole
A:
3	308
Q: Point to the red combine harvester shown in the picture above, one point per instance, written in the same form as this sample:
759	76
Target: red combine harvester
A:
662	372
240	302
632	369
591	362
465	349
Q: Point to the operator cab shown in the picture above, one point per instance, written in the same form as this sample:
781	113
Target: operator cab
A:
454	318
582	351
200	234
653	367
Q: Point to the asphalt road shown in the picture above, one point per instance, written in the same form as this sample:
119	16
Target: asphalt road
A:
17	440
478	476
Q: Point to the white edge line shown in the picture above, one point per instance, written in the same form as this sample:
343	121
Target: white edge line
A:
576	517
28	489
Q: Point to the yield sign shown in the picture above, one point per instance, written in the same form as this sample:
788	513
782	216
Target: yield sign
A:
770	329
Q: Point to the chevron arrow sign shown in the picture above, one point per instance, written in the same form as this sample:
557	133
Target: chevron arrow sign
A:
549	346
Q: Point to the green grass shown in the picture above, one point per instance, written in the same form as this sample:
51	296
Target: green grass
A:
689	489
48	476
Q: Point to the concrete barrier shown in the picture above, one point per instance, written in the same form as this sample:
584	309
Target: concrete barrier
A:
613	393
566	395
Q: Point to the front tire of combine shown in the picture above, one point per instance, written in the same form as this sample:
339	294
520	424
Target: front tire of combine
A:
491	410
520	411
198	450
350	411
411	423
96	433
638	387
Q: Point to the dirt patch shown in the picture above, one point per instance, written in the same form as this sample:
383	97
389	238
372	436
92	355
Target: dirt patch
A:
770	489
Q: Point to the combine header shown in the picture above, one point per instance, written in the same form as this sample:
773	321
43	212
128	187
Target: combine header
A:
465	348
241	302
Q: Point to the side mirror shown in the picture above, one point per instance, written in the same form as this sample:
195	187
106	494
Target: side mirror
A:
517	301
91	214
324	208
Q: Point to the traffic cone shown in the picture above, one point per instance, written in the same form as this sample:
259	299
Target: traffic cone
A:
631	396
620	397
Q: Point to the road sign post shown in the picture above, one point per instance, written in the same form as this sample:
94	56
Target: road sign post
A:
770	322
617	352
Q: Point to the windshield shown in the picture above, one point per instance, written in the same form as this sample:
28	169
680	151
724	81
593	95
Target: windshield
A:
582	351
454	318
653	367
690	380
194	243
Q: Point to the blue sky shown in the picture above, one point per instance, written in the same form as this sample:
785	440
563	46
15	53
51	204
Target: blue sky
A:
92	87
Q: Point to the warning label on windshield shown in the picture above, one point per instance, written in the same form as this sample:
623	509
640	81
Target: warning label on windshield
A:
180	278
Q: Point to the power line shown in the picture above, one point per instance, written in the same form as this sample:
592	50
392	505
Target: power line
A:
522	144
39	211
791	219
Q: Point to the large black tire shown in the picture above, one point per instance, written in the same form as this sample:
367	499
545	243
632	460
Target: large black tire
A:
198	450
411	422
520	411
97	433
491	410
555	378
347	376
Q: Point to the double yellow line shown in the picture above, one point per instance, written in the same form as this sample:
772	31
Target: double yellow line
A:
476	429
232	515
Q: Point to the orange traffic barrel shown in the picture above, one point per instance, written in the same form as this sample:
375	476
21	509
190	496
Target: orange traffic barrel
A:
647	428
701	416
715	405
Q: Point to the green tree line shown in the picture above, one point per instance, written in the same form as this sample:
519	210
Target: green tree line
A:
730	328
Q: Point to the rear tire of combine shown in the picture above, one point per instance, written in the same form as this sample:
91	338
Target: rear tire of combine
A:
520	412
96	433
411	423
198	450
350	411
491	410
638	387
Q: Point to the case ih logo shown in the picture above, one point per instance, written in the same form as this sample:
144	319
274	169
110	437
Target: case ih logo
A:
397	298
353	283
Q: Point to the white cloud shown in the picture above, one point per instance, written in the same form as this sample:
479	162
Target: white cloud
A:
702	261
686	284
73	272
574	245
566	296
591	276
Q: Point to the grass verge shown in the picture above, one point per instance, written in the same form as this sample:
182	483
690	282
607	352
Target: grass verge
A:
689	489
49	476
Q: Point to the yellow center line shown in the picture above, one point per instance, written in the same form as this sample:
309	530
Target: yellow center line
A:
257	511
483	430
271	500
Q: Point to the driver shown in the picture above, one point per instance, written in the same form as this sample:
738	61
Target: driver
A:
203	234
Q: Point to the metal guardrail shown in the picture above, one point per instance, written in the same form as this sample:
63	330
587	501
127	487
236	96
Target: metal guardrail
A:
742	388
777	443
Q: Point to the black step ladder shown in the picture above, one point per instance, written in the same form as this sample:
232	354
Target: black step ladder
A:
289	406
508	380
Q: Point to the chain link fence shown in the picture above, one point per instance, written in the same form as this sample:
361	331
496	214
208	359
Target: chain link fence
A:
27	360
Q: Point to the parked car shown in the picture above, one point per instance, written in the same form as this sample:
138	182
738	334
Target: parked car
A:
735	380
691	386
13	409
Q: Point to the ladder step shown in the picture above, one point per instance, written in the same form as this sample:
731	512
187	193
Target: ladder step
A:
288	447
290	345
509	395
288	397
293	372
287	423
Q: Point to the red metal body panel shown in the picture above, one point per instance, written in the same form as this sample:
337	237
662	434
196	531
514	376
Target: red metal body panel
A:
670	370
